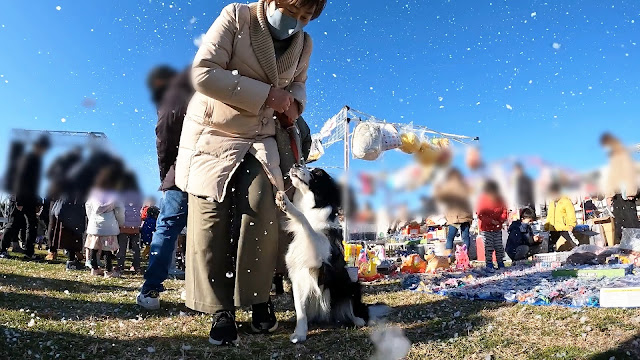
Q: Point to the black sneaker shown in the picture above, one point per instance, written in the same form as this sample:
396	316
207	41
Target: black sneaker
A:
278	283
224	330
33	257
74	265
263	319
5	255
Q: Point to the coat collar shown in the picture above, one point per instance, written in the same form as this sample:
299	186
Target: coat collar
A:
262	44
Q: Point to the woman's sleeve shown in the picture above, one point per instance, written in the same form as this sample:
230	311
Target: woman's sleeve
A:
210	74
298	87
119	211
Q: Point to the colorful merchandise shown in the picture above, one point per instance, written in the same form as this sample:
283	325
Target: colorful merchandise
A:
437	262
462	258
413	264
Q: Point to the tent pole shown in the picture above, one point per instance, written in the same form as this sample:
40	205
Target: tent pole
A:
345	188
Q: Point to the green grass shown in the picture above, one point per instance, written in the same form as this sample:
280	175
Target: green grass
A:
48	313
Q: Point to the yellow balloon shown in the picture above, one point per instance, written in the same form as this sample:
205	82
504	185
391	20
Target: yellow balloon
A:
427	155
409	143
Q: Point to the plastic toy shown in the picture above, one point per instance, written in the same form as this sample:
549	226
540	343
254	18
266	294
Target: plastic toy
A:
368	266
436	262
413	264
462	258
427	155
410	143
368	271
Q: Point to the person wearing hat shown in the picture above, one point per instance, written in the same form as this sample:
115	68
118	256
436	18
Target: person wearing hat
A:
25	190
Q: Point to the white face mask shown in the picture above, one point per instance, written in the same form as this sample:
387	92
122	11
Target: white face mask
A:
281	25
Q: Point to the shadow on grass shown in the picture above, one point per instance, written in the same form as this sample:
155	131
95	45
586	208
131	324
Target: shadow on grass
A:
70	345
54	308
629	349
50	284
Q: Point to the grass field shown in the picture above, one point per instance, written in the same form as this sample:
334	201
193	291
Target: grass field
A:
48	313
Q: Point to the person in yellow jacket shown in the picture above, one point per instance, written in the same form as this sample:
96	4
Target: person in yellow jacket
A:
561	217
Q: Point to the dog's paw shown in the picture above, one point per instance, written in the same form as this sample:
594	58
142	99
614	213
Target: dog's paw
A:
359	322
282	201
298	338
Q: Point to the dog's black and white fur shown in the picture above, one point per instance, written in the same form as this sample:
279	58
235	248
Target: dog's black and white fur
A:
322	288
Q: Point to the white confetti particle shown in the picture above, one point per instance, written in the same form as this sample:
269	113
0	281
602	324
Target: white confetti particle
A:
509	107
31	323
63	120
556	45
58	8
533	14
229	274
234	72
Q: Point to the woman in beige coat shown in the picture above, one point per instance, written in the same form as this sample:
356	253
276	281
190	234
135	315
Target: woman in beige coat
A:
250	70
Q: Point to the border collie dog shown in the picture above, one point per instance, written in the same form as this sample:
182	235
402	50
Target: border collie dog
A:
322	288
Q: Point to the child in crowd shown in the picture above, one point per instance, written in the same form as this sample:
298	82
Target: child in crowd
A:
149	217
492	213
105	213
522	243
130	232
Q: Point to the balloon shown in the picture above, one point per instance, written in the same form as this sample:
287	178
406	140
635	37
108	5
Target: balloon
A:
409	143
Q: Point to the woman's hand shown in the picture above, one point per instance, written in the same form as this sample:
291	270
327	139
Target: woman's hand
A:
289	117
279	100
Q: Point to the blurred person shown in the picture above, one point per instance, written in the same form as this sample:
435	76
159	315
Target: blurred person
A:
105	216
402	219
129	236
561	217
492	213
428	206
59	188
454	193
366	214
522	243
621	187
228	154
25	190
525	188
148	227
171	92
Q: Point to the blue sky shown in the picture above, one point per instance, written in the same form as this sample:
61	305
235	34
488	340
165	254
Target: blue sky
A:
528	77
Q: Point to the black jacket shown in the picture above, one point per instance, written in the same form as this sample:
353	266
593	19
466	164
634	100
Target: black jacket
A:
519	234
27	180
171	112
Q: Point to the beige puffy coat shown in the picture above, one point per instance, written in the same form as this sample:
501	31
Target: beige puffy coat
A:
232	73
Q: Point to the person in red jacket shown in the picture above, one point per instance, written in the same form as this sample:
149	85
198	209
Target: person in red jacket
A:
492	213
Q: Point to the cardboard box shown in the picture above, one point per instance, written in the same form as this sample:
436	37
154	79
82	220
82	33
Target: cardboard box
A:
620	297
607	223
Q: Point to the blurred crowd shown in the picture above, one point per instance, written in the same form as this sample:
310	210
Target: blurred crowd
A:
93	209
492	199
